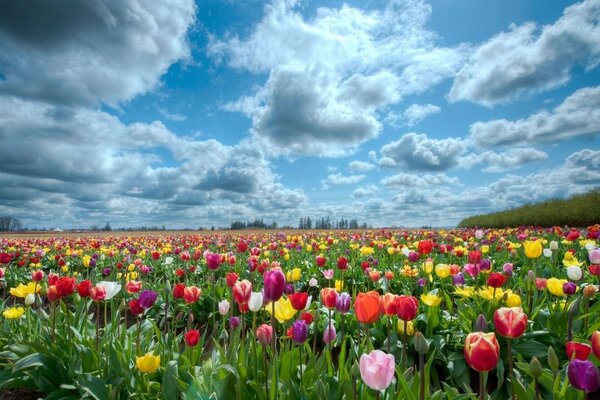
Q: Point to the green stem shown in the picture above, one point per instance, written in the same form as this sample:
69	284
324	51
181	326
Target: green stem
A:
274	347
481	385
404	344
510	368
421	376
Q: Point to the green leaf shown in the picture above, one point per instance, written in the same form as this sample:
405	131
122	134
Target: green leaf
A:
93	386
169	382
32	360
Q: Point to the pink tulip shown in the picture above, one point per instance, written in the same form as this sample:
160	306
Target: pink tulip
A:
377	369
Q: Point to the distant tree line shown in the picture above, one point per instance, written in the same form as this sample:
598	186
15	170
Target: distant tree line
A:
327	223
10	224
577	211
257	223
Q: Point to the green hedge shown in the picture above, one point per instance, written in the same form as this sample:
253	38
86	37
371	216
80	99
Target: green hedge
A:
580	210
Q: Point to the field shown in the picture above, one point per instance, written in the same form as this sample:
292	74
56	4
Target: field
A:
380	314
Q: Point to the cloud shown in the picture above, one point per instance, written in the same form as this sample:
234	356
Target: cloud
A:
339	179
95	166
367	191
84	53
577	115
418	152
330	75
360	166
403	180
503	161
530	59
416	113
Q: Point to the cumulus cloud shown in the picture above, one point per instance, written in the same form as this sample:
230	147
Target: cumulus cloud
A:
403	180
330	75
360	166
367	191
78	52
420	153
339	179
506	160
577	115
416	113
528	58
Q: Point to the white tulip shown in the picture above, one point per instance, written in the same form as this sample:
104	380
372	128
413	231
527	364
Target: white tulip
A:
223	307
574	273
112	288
256	301
547	253
554	245
29	299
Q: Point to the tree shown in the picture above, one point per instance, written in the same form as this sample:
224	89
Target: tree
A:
107	227
10	224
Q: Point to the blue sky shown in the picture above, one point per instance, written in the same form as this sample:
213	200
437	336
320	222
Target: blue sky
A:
190	114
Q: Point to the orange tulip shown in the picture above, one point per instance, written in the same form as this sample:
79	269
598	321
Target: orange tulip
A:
191	294
389	304
328	297
367	307
482	351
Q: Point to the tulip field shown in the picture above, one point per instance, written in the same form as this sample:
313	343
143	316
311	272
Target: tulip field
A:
374	314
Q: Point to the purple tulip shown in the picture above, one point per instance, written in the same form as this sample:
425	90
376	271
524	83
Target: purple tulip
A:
413	256
342	303
422	282
105	272
458	279
485	264
274	282
329	334
289	289
299	332
569	288
234	322
584	375
147	298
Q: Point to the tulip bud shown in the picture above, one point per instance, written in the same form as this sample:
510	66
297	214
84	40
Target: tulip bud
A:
480	324
223	307
535	367
420	343
29	299
547	253
552	359
590	291
574	307
553	245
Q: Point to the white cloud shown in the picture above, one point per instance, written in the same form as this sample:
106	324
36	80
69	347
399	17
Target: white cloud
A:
418	152
360	166
529	59
416	113
79	52
579	114
403	180
503	161
330	75
339	179
367	191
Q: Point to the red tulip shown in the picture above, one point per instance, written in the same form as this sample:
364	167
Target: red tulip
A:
367	307
231	278
52	294
328	297
425	246
596	344
482	351
496	280
241	294
407	307
178	290
298	300
510	322
474	257
65	286
389	304
84	288
342	263
191	337
133	286
37	275
320	260
134	307
307	317
191	294
580	351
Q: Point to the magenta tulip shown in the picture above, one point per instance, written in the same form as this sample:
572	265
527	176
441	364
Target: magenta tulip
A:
274	281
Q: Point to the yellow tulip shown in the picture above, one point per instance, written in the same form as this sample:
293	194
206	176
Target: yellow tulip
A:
428	266
339	285
485	249
22	291
391	250
555	286
13	312
410	328
465	291
365	251
294	275
513	300
487	293
284	310
86	261
147	363
533	249
442	270
431	299
570	260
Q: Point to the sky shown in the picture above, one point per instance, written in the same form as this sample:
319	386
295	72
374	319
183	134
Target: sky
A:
197	114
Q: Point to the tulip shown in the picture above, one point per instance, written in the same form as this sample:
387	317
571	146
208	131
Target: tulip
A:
84	288
482	351
328	273
458	279
264	334
133	286
584	375
574	273
329	334
407	307
234	322
485	264
388	302
256	301
134	307
147	363
377	369
98	293
191	337
52	294
431	299
241	294
596	344
533	249
510	322
191	294
274	283
231	278
367	307
178	290
213	260
299	300
442	270
112	288
342	303
425	246
13	312
223	306
580	351
65	286
472	269
148	298
342	263
413	256
553	245
474	257
37	275
283	308
569	288
299	332
594	256
410	328
541	283
313	282
329	297
496	280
